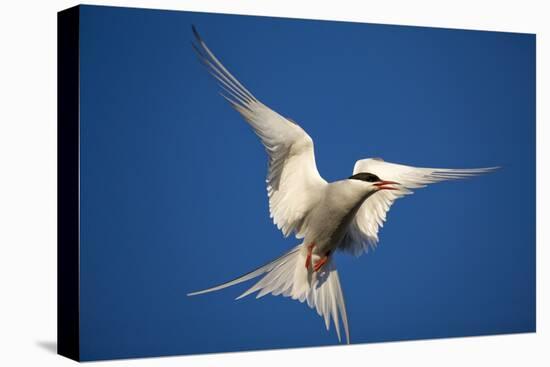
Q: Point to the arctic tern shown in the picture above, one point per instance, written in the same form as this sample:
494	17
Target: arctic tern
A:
327	217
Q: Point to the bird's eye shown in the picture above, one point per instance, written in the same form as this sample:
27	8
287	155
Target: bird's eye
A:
366	176
371	178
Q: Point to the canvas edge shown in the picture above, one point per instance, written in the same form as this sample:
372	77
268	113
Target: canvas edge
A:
68	184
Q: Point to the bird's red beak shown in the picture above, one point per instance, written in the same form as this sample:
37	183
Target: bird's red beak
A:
383	185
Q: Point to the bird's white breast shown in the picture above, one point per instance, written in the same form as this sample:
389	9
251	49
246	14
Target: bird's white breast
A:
328	221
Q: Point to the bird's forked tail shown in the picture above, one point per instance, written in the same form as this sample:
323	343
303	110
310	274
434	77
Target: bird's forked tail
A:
288	276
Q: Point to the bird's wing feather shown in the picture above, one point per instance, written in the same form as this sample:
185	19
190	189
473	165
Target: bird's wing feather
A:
363	230
293	179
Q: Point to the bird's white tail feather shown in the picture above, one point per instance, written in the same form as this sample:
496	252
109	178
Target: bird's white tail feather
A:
288	276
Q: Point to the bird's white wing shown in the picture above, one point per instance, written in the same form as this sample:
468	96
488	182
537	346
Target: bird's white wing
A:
293	179
363	230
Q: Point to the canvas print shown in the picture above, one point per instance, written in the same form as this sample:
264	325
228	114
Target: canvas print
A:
244	183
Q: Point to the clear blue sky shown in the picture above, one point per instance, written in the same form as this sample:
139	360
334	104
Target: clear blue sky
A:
173	181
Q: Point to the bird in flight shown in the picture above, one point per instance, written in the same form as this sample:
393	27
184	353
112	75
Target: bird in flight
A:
326	216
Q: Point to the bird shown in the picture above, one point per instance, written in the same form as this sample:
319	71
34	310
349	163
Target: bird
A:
327	217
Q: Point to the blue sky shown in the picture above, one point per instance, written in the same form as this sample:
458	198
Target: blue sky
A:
173	192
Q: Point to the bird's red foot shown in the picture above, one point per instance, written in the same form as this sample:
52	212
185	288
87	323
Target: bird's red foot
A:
319	264
308	257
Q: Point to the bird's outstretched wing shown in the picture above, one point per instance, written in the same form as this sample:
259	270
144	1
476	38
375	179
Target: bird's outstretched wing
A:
363	230
293	179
